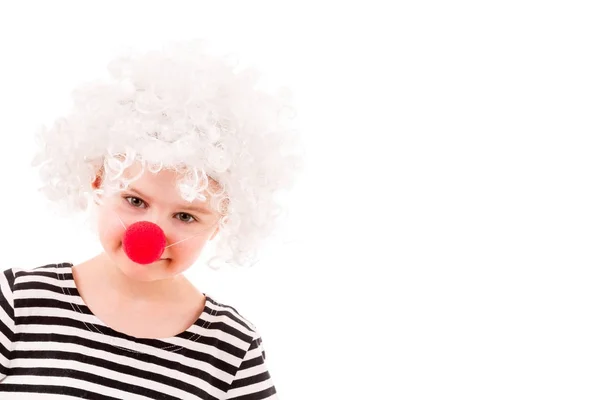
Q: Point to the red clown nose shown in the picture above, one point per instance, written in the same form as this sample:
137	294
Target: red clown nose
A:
144	242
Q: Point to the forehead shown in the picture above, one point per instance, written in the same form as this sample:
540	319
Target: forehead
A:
163	182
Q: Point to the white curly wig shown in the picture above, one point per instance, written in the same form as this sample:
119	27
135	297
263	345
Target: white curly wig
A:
182	109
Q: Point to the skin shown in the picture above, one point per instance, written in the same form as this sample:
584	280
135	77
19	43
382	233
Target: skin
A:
154	300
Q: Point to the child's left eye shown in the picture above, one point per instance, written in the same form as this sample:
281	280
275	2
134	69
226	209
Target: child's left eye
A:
190	218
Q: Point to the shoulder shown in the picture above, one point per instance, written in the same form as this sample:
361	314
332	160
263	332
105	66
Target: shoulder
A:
230	319
12	280
17	277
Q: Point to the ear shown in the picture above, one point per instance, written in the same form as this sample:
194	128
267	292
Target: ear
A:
97	182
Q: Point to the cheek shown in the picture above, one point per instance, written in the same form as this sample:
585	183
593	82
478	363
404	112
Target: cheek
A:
189	250
110	230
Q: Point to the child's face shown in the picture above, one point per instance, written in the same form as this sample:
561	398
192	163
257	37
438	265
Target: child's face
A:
156	198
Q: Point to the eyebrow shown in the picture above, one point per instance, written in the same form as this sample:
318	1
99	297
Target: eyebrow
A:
180	206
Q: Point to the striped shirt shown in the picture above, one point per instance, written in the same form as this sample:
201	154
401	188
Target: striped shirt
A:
53	347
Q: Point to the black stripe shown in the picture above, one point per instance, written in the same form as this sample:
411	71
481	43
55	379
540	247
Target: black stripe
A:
6	306
252	362
3	350
43	302
233	317
88	377
35	272
6	331
47	389
250	380
263	394
223	326
255	343
148	358
10	278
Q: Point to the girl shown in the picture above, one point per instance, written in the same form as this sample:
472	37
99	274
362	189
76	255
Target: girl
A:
176	150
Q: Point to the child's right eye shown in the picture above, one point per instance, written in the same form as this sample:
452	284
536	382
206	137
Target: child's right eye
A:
134	201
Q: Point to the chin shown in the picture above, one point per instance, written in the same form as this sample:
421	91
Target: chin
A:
143	272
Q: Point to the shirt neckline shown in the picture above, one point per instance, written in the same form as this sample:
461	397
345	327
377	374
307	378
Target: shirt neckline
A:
133	342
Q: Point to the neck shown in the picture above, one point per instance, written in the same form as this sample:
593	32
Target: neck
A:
134	291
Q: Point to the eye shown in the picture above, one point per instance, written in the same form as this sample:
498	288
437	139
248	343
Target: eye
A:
135	201
187	218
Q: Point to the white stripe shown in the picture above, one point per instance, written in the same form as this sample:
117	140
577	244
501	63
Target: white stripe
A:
257	387
32	396
248	372
5	317
57	312
55	281
3	361
51	268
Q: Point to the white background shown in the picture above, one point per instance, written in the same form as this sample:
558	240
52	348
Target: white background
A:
443	242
